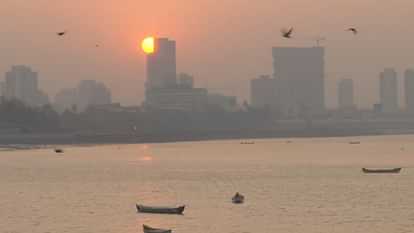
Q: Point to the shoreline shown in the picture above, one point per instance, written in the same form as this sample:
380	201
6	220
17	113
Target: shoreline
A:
22	141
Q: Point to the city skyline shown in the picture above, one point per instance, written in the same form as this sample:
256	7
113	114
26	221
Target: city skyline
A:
403	84
208	49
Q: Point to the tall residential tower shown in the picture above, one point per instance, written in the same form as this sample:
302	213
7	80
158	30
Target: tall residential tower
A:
162	91
389	91
409	90
161	64
300	79
346	94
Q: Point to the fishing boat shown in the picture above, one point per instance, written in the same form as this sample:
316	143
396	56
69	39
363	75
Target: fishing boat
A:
58	150
389	170
237	199
160	210
148	229
247	143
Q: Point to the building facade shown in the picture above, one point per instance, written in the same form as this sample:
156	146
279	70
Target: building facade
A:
409	90
21	83
388	91
162	89
161	65
177	99
300	79
346	94
88	93
263	92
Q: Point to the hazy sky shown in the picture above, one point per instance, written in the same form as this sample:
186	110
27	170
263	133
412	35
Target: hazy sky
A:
223	43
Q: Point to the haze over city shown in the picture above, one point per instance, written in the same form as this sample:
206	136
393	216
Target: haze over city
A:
224	45
195	116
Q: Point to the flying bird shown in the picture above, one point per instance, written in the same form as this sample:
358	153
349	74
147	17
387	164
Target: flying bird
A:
61	33
287	33
353	30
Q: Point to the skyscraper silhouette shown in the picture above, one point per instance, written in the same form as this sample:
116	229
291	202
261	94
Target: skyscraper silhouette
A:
300	78
389	91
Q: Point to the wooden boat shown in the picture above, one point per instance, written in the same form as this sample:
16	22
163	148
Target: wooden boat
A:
391	170
237	199
247	143
58	151
148	229
160	210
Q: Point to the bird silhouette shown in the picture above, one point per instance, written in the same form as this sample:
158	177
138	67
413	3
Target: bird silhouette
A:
61	33
287	33
353	30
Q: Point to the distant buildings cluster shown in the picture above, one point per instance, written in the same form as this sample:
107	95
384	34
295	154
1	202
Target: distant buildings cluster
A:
165	90
297	87
21	84
389	94
88	93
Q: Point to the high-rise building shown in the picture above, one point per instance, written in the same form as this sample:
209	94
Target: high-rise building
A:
161	65
409	90
88	93
186	80
2	89
346	94
91	92
22	84
300	78
389	91
162	91
263	92
65	99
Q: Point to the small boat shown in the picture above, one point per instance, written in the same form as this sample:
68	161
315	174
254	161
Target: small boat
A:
148	229
237	199
354	143
59	151
391	170
160	210
247	143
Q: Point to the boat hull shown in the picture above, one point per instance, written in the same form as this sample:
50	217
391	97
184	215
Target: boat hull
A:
160	210
148	229
379	171
238	200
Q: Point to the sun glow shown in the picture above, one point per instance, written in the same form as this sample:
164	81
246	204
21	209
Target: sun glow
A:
148	45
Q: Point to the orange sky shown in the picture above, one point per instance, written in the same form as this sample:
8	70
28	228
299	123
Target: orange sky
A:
223	43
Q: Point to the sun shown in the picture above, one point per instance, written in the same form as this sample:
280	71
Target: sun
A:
148	45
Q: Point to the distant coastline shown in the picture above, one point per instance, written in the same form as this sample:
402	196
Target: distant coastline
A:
40	140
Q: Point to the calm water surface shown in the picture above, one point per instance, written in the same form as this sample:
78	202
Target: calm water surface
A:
309	185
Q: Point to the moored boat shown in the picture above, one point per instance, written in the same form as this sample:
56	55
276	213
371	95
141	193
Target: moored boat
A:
247	143
389	170
58	150
160	210
237	199
148	229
